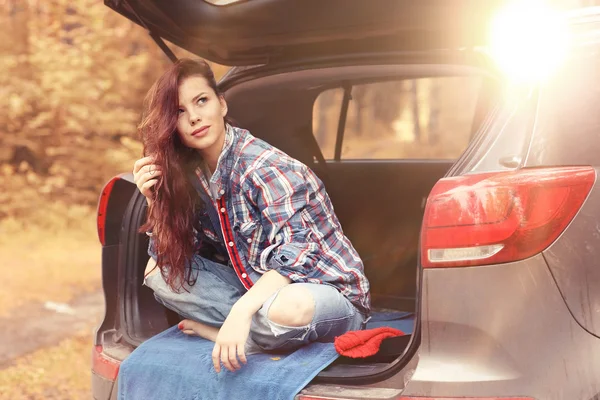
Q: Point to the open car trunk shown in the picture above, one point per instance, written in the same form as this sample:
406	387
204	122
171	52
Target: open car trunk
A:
359	127
283	31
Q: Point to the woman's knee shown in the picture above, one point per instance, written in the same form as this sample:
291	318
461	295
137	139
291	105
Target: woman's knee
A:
293	306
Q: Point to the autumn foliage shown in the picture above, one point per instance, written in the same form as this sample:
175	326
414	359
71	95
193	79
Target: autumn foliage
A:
73	75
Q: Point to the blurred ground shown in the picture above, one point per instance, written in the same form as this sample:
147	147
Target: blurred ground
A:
57	372
47	263
40	325
50	302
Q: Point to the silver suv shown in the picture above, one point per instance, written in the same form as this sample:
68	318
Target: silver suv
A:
471	197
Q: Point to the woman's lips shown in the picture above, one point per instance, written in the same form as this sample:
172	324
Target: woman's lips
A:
201	131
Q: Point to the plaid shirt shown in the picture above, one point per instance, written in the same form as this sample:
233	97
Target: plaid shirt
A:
269	211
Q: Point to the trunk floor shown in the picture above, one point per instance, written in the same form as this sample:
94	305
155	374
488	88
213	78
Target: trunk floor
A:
404	321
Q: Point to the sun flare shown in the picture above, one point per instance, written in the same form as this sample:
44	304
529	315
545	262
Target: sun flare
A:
529	40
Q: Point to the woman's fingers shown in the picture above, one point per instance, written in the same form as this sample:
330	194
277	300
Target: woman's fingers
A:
146	177
151	169
145	189
228	356
225	358
216	357
233	361
241	352
147	172
151	175
143	170
139	164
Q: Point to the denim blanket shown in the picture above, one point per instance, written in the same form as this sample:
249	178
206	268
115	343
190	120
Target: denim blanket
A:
172	365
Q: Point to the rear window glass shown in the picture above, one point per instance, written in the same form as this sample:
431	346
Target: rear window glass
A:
426	118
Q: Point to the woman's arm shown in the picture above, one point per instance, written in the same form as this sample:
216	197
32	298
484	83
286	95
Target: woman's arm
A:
282	195
232	337
269	283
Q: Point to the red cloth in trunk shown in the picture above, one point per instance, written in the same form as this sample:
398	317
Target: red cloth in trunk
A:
360	344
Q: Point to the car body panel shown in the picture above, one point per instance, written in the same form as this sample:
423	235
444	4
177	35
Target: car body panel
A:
573	261
567	132
513	338
102	388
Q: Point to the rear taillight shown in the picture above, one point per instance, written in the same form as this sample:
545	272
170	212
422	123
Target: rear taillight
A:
500	217
103	365
102	208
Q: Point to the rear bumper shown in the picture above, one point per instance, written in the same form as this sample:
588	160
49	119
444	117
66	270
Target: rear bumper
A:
102	388
502	331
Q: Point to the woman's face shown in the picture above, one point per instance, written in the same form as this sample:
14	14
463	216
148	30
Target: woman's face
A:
200	120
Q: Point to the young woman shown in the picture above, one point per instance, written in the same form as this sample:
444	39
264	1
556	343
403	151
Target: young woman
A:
245	238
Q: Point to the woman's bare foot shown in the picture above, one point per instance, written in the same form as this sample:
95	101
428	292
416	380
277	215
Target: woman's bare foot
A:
194	328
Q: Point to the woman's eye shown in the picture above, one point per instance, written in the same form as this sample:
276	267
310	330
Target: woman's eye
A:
180	111
202	100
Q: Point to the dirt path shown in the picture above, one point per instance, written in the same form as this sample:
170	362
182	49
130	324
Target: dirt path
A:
40	325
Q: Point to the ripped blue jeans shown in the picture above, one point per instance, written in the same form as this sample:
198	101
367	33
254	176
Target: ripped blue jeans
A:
217	288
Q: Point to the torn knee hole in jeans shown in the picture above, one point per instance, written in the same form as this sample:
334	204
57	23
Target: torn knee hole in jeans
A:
280	330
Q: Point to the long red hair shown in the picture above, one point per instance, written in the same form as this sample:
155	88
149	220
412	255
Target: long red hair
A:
172	215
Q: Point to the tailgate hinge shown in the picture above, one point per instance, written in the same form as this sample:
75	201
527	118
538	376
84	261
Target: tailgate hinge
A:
157	39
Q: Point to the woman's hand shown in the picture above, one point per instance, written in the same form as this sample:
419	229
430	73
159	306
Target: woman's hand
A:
145	176
231	340
232	337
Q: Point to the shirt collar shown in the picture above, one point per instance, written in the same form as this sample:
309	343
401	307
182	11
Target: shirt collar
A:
219	181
